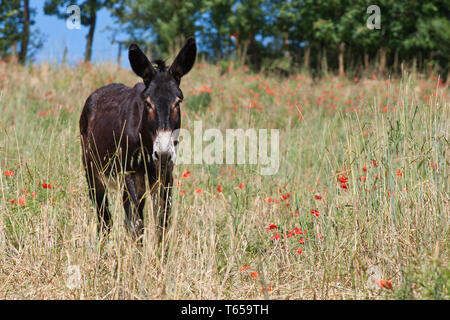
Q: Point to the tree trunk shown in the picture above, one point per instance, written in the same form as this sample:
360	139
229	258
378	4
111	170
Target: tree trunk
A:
366	62
324	60
383	52
341	58
25	33
306	58
395	66
90	37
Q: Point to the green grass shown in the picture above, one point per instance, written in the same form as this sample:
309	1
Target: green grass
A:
394	215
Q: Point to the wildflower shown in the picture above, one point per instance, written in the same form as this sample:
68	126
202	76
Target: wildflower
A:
364	169
269	200
182	192
298	250
255	274
342	179
345	186
241	185
276	236
301	241
219	188
374	163
198	190
298	230
315	212
11	201
186	174
46	186
317	196
21	201
9	173
386	284
399	173
244	268
268	288
271	226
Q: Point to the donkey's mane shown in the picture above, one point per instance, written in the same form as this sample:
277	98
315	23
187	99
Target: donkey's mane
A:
160	64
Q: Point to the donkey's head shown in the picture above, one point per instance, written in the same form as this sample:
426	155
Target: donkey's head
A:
162	97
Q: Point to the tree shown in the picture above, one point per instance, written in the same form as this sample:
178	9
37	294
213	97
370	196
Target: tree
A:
159	22
88	11
16	20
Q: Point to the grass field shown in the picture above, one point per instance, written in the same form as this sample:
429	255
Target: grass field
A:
359	208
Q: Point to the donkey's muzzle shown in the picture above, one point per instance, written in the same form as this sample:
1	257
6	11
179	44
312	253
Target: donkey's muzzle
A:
164	148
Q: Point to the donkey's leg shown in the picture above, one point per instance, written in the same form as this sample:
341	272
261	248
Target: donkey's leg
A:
133	203
98	196
162	202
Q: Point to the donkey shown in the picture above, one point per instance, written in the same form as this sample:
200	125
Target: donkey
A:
132	133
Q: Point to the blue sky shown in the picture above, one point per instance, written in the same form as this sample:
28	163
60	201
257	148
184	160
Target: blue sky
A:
57	36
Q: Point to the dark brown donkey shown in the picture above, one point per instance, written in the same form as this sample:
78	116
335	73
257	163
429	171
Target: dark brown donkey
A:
131	134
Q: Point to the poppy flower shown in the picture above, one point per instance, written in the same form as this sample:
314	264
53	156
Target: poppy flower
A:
21	201
342	179
399	173
271	226
255	274
386	284
219	188
317	196
46	186
364	168
276	236
186	174
298	250
198	190
241	185
244	267
9	173
315	212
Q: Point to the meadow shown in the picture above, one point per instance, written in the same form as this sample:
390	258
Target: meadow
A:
359	208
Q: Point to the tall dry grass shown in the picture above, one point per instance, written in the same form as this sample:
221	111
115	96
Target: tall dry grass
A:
370	155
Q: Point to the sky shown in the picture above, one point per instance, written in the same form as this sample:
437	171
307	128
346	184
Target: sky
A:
57	36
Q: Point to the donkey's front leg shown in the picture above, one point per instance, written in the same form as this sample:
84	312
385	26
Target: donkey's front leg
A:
162	204
133	208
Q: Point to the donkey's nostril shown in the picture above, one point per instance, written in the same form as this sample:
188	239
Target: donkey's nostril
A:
162	157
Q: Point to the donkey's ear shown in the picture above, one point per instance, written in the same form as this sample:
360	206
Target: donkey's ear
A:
185	59
140	64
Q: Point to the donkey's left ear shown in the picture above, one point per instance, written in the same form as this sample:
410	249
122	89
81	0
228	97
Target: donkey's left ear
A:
185	59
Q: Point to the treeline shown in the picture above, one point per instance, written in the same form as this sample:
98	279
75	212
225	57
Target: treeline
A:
323	36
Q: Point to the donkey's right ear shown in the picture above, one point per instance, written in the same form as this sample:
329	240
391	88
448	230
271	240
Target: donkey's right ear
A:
140	64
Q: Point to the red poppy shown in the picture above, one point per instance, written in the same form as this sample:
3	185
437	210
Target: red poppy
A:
186	174
374	163
342	179
244	267
198	190
21	201
315	212
46	186
219	188
317	196
276	236
271	226
399	173
9	173
241	185
364	168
